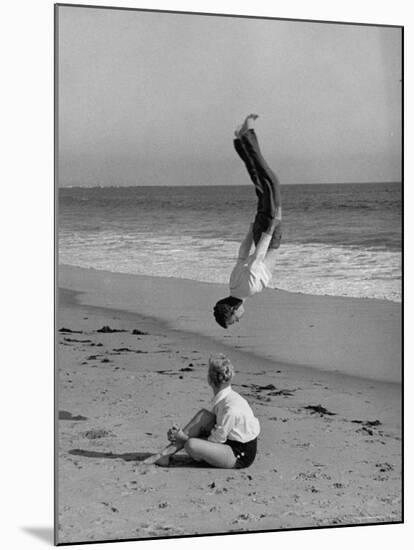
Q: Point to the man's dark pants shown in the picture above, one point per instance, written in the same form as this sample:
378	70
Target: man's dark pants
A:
266	186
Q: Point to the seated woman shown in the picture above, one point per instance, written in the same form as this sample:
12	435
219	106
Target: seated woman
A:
225	436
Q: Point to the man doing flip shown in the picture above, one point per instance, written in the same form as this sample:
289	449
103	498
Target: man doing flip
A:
253	272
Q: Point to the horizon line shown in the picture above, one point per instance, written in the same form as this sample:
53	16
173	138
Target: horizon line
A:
400	182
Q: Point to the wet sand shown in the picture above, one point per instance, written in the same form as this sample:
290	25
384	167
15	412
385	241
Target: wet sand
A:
330	447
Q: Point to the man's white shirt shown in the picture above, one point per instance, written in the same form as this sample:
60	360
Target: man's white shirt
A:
249	276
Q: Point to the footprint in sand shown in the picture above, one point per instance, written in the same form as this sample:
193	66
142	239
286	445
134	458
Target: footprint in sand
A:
368	427
385	467
97	434
76	340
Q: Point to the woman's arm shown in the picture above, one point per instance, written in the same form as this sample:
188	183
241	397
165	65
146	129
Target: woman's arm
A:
221	430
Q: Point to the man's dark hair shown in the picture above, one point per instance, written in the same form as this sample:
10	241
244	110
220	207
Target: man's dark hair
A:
224	309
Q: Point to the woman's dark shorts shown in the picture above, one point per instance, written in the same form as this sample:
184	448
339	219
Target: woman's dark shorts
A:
261	225
245	453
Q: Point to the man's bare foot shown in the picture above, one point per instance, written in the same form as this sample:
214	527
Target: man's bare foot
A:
248	123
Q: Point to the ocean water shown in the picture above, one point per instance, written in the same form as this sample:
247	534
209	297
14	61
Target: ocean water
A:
339	239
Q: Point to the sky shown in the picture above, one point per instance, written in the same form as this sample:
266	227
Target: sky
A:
151	98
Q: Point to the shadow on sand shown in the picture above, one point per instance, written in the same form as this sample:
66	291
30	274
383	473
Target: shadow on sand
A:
177	461
137	457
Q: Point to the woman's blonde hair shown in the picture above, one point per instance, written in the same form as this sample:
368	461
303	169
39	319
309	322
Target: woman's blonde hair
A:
220	369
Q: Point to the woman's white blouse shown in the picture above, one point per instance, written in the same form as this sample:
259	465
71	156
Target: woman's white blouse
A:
234	418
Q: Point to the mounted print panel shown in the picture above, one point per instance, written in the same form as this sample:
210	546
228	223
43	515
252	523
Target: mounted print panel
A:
228	274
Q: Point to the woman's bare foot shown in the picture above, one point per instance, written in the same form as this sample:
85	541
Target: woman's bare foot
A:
158	459
152	459
163	461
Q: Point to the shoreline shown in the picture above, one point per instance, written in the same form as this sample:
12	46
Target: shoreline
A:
295	293
359	337
394	297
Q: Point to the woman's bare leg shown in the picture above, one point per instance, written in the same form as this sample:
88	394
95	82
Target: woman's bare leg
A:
216	454
201	423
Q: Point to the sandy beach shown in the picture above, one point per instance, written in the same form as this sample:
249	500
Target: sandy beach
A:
321	373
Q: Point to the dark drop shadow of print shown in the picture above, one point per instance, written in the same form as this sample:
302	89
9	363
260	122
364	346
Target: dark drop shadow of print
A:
43	533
